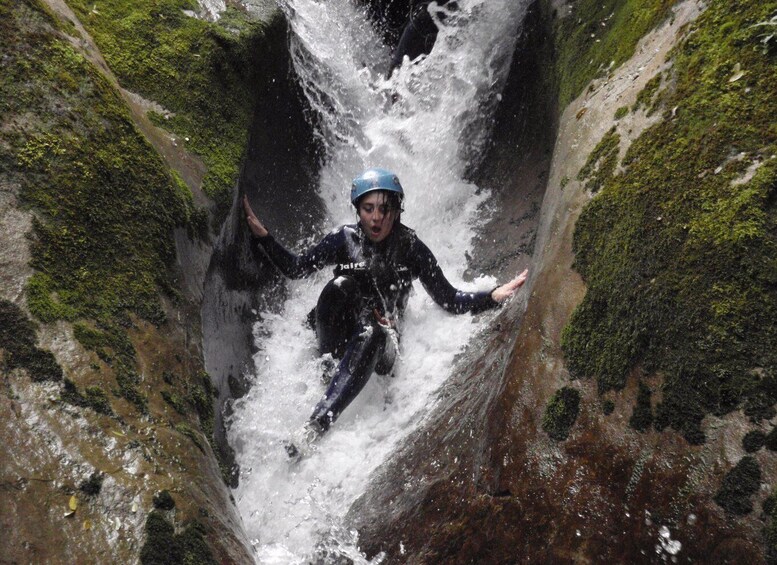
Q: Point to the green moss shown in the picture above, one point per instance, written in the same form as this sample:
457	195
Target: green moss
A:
187	430
601	163
114	347
753	441
204	74
621	112
642	417
70	394
105	204
770	504
97	400
174	400
43	302
770	531
759	404
645	96
128	380
770	441
202	394
194	548
17	340
160	547
92	485
164	547
598	36
738	486
93	397
679	256
561	413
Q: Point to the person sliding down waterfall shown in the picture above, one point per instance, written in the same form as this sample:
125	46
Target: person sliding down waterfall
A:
358	311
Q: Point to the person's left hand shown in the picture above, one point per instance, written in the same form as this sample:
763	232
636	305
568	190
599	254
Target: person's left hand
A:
502	293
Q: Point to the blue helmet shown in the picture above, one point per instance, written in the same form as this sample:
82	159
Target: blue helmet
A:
375	179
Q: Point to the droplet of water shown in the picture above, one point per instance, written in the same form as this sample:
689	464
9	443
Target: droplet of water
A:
692	519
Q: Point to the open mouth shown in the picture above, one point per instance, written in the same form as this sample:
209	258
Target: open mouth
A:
375	230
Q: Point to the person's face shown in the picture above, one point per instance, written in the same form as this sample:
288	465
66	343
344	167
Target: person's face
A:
375	215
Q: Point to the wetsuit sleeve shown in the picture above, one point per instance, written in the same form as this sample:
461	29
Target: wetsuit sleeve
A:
298	266
444	293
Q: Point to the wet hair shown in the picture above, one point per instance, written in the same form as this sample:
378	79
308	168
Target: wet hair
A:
392	199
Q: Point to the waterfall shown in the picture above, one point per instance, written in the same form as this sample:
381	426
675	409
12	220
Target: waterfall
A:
429	123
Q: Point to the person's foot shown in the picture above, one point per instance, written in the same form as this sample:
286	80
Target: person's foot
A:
300	444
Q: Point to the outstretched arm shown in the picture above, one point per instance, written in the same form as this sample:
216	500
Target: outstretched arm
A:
502	293
290	264
257	228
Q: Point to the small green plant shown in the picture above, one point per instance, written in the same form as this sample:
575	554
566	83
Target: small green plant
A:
602	161
753	441
17	339
92	485
621	112
645	96
163	545
770	441
187	430
97	400
770	532
642	417
163	500
738	486
561	413
175	401
93	397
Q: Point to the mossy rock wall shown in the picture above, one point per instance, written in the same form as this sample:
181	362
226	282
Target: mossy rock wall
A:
651	288
102	367
678	251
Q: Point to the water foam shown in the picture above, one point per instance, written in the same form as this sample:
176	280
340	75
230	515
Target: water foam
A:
431	136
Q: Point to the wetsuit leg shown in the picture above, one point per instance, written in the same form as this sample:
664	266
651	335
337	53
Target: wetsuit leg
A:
337	314
417	39
361	355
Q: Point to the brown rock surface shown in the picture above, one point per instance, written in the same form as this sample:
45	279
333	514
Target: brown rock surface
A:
482	483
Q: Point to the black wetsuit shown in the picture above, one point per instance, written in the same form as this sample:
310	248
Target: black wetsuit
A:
419	34
358	309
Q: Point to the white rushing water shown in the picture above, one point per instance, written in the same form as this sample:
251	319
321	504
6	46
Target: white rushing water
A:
430	136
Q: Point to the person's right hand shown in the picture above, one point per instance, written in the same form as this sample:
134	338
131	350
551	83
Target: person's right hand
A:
256	227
